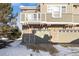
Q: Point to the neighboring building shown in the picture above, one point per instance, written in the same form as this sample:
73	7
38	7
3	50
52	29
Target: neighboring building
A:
61	21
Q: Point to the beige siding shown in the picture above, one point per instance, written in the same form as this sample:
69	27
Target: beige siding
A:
69	8
42	17
67	37
64	37
54	34
67	17
29	11
76	18
43	8
57	37
71	14
27	31
75	10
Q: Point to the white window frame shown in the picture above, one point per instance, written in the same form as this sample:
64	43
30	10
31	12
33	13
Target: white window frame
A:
30	17
57	12
52	10
64	11
33	18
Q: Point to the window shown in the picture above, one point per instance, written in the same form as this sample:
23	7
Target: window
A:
55	10
75	30
75	6
63	9
38	16
32	17
49	9
71	30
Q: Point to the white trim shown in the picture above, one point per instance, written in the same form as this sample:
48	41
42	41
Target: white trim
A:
59	23
40	17
25	17
45	17
72	15
65	9
37	17
45	21
57	35
53	9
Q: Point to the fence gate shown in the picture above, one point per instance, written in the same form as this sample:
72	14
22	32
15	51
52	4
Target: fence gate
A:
37	36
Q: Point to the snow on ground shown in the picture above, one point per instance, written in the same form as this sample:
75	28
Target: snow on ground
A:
67	51
19	50
62	50
16	49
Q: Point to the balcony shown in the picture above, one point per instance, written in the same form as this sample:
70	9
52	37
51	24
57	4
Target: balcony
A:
39	18
32	18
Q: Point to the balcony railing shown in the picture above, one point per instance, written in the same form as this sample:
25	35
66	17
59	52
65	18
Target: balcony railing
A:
32	17
35	18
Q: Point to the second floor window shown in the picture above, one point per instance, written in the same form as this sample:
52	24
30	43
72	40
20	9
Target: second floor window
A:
64	9
55	10
33	17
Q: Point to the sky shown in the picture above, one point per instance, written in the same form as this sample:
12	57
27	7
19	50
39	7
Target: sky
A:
16	6
16	9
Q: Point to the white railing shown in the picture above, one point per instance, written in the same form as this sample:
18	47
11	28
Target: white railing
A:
32	17
26	18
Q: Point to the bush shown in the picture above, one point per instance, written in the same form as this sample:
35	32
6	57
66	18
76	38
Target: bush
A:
12	33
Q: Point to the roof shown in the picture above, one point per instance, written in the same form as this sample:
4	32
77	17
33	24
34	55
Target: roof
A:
28	7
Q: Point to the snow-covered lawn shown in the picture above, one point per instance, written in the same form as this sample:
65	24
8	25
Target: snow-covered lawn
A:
19	50
16	49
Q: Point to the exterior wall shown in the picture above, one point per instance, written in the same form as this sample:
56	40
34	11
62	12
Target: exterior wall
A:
67	17
57	36
75	10
69	8
71	15
68	37
75	18
64	36
27	31
43	8
29	11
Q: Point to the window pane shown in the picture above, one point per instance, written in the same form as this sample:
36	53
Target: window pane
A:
63	9
32	17
55	10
